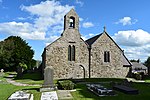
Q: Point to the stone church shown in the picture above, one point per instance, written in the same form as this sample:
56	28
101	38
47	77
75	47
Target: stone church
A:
72	57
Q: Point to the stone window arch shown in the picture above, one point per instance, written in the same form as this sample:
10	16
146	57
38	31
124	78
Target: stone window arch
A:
106	56
69	53
73	53
72	22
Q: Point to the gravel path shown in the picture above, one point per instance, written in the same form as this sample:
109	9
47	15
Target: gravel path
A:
9	80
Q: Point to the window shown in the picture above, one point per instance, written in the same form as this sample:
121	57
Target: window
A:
72	22
71	53
106	56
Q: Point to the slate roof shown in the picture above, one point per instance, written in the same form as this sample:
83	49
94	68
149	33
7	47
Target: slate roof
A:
92	40
136	65
126	62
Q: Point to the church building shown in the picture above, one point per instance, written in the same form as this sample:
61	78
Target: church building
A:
72	57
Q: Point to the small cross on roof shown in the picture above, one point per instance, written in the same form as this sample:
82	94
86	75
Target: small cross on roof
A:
104	28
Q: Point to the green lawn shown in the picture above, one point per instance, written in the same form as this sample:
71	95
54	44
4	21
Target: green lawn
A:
30	78
147	79
81	94
7	89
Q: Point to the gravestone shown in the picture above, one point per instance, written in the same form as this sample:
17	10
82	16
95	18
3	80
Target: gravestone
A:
1	72
48	80
48	77
21	95
49	95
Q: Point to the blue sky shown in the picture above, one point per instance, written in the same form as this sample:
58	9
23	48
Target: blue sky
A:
40	22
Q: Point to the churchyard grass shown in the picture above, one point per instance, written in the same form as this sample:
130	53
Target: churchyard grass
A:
6	89
147	79
81	93
30	78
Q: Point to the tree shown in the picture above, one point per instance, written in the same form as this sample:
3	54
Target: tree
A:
14	51
147	64
133	60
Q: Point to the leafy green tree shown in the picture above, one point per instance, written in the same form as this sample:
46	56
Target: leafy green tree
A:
147	64
14	51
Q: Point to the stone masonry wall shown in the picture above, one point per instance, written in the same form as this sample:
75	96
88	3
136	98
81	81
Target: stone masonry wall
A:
57	56
114	68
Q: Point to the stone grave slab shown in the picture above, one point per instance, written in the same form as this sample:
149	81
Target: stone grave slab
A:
100	90
64	95
125	89
21	95
49	95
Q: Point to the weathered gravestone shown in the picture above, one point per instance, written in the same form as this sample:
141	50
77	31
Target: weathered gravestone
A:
49	95
48	79
1	72
21	95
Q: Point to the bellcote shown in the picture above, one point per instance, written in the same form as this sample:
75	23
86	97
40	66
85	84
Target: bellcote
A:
71	20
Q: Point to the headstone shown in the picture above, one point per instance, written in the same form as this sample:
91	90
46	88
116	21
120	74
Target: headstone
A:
49	95
48	80
1	72
19	71
48	77
20	95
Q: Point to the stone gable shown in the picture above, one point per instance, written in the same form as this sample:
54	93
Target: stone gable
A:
114	68
57	52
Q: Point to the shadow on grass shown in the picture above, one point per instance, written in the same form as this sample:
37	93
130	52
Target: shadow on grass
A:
96	80
36	76
36	89
85	93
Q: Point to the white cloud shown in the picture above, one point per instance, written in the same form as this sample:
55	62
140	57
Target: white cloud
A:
48	21
50	13
141	52
136	43
25	30
24	18
91	34
79	2
88	24
126	21
85	37
132	37
81	19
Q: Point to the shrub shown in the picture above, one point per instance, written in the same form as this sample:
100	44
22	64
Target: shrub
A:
138	76
66	85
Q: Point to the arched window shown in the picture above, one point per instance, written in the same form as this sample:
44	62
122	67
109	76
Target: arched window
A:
106	56
69	53
73	53
72	22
